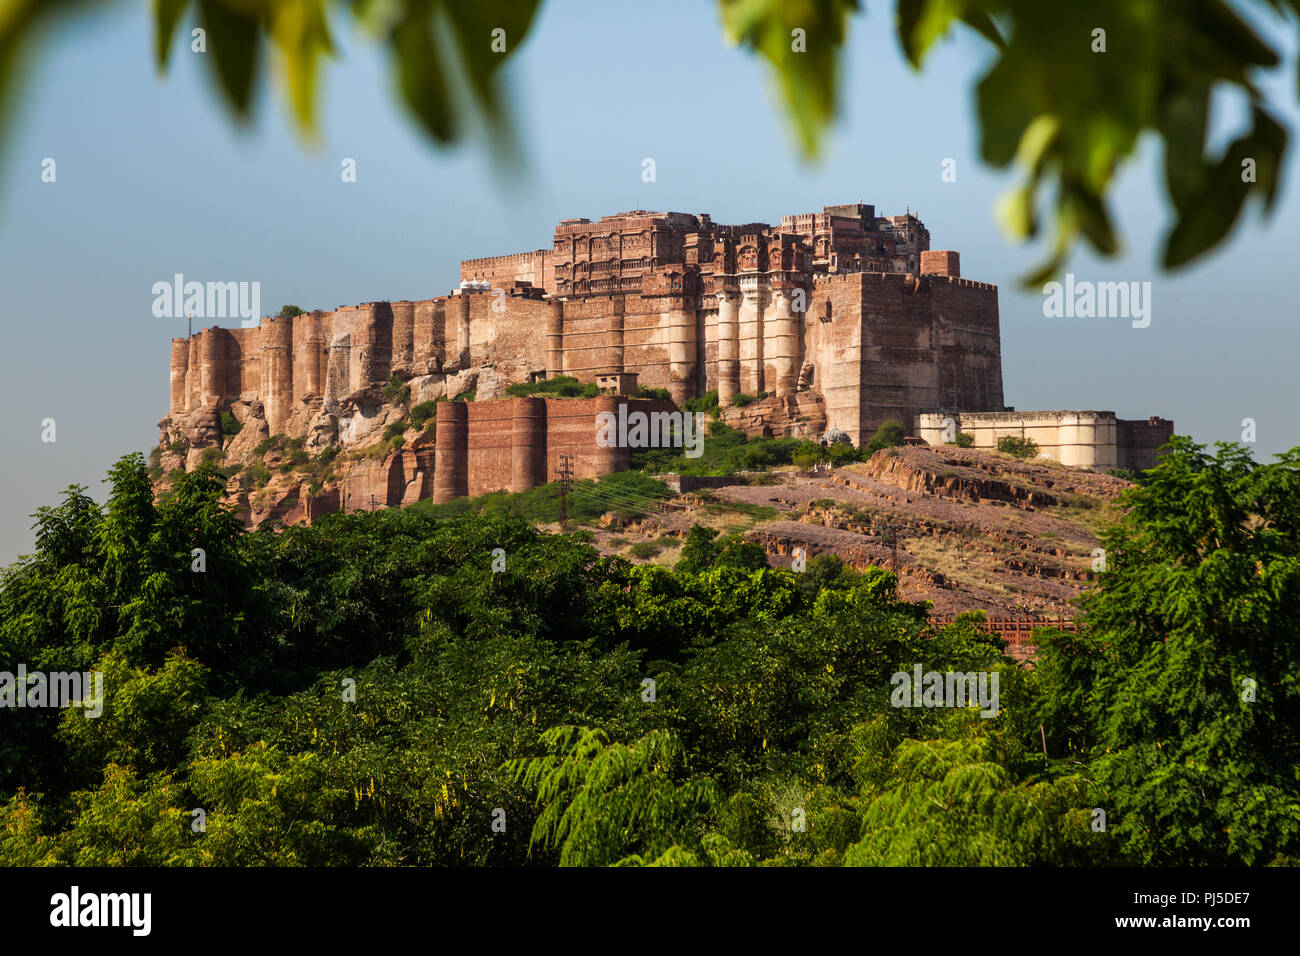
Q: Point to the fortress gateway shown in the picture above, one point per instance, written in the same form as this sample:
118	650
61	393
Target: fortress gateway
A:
832	322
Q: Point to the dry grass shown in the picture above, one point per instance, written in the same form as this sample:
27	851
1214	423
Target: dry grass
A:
1093	514
972	573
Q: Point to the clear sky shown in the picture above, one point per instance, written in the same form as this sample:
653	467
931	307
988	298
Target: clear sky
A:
153	179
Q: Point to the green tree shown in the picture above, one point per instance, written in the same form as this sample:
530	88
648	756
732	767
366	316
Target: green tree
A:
129	821
954	803
146	717
603	801
267	808
699	551
1184	683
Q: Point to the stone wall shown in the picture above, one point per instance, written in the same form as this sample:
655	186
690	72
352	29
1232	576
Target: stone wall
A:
517	444
871	346
1140	441
1084	439
535	268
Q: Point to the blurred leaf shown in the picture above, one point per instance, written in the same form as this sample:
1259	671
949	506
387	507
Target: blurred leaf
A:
473	25
166	16
1015	212
234	44
1051	101
1206	215
302	34
922	23
806	64
419	77
1087	209
1186	113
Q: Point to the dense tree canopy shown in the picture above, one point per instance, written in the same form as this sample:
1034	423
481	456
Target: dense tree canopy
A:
368	690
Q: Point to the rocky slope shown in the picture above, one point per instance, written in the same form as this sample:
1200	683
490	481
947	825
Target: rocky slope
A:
964	529
350	444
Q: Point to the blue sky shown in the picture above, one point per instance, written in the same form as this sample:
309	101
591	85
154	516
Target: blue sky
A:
154	179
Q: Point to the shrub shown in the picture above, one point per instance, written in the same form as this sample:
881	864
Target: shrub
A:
397	392
289	311
662	394
256	474
808	457
394	430
397	441
1018	447
644	550
963	440
700	549
842	453
179	447
708	402
889	435
229	424
274	442
728	450
740	400
561	386
422	413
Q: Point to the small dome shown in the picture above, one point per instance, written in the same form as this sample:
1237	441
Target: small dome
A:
834	435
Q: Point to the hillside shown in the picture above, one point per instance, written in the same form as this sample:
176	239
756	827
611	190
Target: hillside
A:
973	529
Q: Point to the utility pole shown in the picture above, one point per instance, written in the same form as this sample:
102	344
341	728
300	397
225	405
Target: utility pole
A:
565	474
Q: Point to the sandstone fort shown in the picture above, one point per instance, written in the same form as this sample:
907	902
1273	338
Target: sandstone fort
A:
823	326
